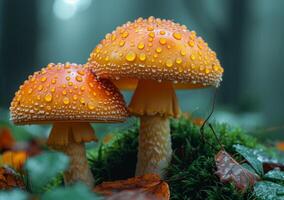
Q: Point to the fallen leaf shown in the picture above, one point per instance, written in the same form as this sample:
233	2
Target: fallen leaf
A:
230	171
15	159
7	140
150	186
107	138
198	121
280	146
9	179
267	166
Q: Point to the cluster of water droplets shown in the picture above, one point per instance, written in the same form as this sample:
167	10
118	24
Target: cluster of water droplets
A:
156	49
62	92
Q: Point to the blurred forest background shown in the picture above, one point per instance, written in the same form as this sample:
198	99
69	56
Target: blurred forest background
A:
247	36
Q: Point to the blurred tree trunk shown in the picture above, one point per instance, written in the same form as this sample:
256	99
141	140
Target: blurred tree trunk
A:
230	43
18	45
233	61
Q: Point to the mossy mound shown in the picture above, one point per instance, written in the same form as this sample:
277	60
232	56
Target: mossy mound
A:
191	174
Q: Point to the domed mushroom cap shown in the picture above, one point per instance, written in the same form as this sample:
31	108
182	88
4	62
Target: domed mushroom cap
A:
159	50
67	92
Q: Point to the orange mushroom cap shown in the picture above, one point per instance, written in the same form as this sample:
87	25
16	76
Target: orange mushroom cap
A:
159	50
67	92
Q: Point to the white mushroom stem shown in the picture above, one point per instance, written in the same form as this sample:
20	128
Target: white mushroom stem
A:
155	150
154	102
69	138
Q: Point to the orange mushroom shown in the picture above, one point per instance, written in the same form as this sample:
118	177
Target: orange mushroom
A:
154	57
70	97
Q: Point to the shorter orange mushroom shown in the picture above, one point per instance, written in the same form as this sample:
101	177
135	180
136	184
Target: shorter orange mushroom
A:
69	97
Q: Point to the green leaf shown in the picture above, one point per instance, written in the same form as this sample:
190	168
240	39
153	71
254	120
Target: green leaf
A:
248	167
44	168
266	190
248	154
275	175
75	192
13	195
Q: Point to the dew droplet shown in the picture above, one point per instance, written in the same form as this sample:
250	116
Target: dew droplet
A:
162	32
121	43
130	56
169	63
150	28
81	72
113	37
192	57
48	97
91	106
191	43
177	35
40	87
142	57
159	50
68	78
215	67
163	41
124	34
141	45
66	100
82	100
79	78
182	52
43	79
53	81
151	34
83	88
178	60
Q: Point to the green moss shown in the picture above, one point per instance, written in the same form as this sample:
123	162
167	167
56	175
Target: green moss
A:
191	173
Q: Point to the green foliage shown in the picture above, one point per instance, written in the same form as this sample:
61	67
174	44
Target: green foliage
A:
74	192
275	175
266	190
271	185
191	173
248	154
43	169
117	160
14	195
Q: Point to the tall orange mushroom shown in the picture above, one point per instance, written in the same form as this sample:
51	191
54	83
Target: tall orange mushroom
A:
154	57
70	97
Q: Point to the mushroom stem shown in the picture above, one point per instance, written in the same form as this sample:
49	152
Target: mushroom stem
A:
79	169
154	102
155	150
69	138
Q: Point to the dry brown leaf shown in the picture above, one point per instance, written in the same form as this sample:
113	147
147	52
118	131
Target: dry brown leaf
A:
280	146
7	140
198	121
149	186
9	179
14	159
230	171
